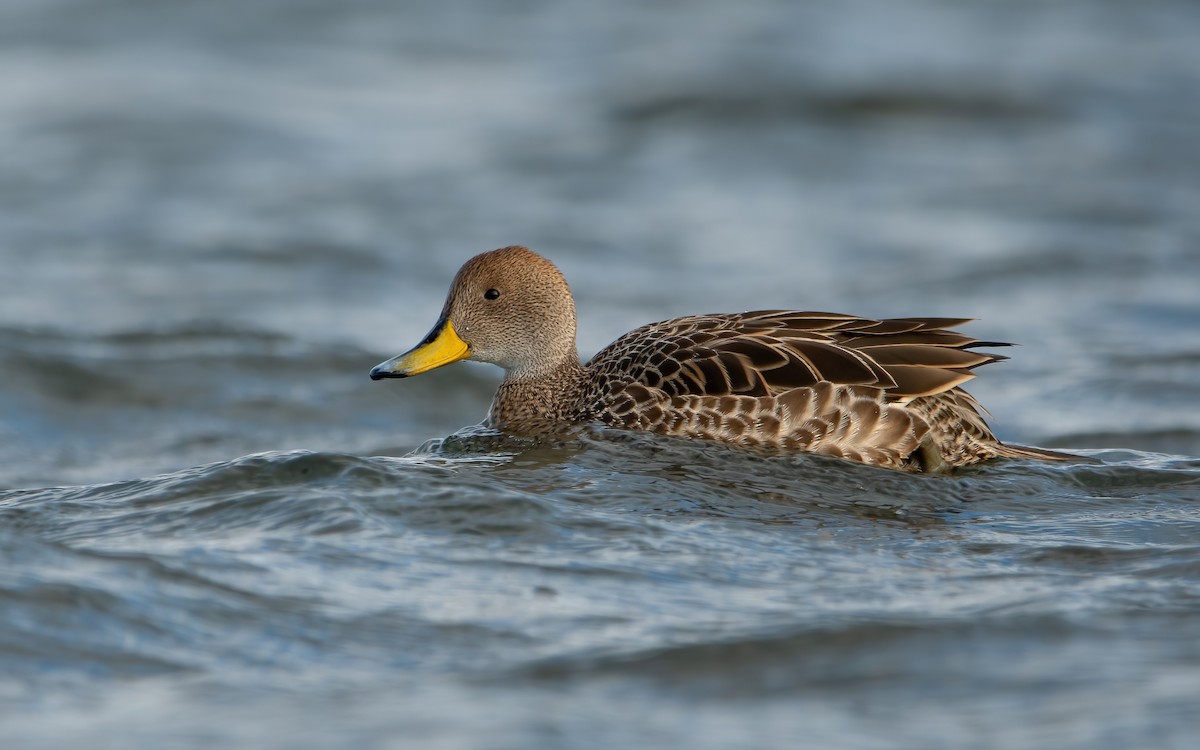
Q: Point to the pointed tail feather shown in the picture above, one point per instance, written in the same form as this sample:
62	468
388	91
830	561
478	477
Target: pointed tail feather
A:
1040	454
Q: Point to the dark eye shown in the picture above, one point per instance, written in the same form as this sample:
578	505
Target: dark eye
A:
491	294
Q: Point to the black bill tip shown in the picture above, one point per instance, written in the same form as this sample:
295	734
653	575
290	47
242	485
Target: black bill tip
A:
378	373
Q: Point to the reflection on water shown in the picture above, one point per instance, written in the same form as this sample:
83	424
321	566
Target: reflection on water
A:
217	216
691	572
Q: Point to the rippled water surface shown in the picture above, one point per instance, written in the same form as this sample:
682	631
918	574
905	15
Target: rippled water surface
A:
216	531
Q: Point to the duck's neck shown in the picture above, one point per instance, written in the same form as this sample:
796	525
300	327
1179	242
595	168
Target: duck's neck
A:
539	400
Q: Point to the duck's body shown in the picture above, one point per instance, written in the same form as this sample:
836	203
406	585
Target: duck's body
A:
882	392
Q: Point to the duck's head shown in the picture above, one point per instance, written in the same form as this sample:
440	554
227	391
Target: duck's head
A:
510	307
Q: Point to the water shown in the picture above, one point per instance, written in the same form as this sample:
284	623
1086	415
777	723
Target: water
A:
215	530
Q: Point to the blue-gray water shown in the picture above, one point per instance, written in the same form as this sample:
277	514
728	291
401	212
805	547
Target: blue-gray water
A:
216	531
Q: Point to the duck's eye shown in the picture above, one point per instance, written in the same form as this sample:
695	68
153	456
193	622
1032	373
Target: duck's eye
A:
491	294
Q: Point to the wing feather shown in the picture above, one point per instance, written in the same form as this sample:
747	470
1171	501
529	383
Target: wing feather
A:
769	352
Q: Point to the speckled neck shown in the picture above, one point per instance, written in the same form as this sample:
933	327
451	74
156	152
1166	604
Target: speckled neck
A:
537	402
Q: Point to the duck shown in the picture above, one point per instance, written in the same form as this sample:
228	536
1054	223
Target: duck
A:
880	392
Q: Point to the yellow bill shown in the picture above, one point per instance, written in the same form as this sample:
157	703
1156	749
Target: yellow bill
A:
441	347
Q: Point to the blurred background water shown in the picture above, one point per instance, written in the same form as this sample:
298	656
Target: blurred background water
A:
216	216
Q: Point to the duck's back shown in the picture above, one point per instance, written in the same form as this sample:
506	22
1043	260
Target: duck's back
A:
879	391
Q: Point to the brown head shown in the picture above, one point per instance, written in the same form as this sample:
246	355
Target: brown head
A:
510	307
